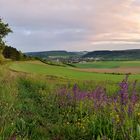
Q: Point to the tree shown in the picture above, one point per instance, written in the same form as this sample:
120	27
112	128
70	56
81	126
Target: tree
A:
12	53
4	31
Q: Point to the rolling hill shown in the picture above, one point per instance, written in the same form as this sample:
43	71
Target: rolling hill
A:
59	53
115	55
133	54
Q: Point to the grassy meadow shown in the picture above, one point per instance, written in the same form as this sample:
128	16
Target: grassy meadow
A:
77	74
64	72
44	102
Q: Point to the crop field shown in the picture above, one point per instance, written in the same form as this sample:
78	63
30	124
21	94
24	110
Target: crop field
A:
108	64
122	67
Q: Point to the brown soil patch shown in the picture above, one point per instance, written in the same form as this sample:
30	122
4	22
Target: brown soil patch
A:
123	70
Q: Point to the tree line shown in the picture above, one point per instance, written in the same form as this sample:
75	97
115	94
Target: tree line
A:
12	53
8	52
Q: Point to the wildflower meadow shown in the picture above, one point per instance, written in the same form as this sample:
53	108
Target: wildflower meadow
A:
35	109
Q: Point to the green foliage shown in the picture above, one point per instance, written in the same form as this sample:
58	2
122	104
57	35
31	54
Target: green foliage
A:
12	53
52	63
4	31
7	51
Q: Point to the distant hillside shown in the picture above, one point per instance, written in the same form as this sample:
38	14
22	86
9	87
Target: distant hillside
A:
102	55
55	54
115	55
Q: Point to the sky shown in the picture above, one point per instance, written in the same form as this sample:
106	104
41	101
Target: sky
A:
73	25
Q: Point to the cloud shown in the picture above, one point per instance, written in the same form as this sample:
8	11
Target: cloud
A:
70	24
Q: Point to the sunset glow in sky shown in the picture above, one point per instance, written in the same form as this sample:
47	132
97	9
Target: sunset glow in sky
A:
73	25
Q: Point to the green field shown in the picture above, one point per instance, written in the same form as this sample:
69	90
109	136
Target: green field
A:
108	64
70	73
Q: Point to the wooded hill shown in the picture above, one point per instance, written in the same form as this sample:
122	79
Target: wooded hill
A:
115	55
100	55
53	54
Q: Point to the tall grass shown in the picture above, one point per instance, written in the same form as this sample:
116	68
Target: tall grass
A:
40	108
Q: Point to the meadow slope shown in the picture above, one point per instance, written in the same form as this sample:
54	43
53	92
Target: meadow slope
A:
71	73
34	106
